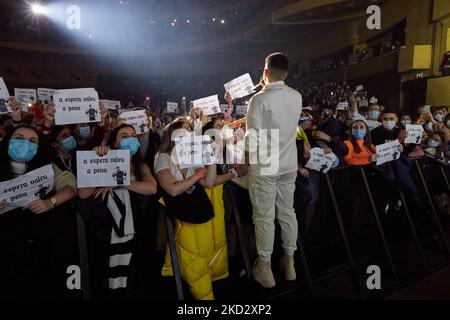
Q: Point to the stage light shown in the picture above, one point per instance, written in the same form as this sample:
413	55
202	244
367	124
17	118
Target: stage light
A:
222	21
173	24
37	8
188	21
214	19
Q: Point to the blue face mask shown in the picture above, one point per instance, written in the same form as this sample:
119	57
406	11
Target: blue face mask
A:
85	132
69	144
305	124
22	150
439	117
131	144
359	134
433	144
374	115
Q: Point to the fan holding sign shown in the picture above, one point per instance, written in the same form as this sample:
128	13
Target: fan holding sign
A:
119	178
240	87
27	179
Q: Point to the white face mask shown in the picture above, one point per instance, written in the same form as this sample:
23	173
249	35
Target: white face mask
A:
389	124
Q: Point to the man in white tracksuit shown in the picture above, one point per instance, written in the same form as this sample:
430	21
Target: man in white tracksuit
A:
272	120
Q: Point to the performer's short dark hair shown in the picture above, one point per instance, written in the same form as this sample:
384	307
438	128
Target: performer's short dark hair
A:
277	61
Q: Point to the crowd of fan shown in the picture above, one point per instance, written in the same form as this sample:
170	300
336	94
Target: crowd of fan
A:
40	238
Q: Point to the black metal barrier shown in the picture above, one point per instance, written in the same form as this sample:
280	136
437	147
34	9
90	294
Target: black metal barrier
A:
343	233
351	265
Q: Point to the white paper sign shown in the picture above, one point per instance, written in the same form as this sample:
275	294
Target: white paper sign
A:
359	88
240	87
223	108
111	104
320	161
111	170
172	107
342	106
241	110
209	105
76	106
4	94
373	100
389	151
27	188
4	107
45	94
25	97
193	151
415	132
138	119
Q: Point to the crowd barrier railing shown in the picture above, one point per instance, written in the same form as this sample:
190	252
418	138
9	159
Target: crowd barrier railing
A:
343	233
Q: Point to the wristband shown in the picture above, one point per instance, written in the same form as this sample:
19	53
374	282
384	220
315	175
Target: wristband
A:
199	175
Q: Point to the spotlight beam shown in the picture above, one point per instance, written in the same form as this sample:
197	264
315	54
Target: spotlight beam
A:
37	9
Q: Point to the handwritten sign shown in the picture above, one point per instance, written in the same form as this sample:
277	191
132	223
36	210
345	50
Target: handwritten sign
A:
111	104
27	188
415	132
110	170
138	119
193	151
76	106
45	94
172	107
209	105
387	152
4	93
342	106
240	87
4	96
241	110
26	97
320	161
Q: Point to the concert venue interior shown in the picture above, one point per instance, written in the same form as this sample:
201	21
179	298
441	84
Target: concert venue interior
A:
373	75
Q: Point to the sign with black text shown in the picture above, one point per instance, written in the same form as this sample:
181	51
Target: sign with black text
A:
172	107
24	189
26	97
45	94
209	105
4	97
193	151
110	170
415	133
240	87
320	161
387	152
76	106
138	119
111	104
4	93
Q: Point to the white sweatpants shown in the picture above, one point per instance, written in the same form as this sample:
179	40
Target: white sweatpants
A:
273	197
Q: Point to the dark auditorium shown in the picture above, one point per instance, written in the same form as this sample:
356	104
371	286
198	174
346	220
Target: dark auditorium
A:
245	153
